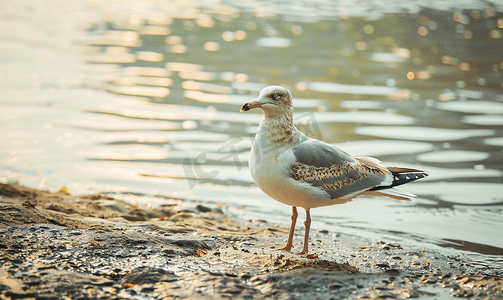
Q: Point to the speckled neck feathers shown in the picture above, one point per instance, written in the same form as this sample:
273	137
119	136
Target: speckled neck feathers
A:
279	131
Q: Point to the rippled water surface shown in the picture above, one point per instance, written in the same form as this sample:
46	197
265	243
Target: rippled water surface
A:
144	99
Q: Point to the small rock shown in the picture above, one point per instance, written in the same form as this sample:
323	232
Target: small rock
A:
246	276
232	291
203	208
142	275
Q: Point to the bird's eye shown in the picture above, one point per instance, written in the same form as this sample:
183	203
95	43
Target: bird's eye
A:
276	96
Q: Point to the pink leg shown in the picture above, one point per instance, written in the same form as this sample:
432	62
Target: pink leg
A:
289	244
307	225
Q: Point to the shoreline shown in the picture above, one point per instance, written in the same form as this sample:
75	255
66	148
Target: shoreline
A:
55	244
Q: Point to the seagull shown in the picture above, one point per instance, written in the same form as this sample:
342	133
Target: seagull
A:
303	172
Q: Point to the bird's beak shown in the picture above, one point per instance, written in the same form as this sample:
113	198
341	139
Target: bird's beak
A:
253	104
250	105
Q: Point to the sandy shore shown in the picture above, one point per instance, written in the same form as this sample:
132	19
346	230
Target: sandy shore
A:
55	245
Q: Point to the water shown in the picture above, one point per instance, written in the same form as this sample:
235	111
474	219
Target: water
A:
144	99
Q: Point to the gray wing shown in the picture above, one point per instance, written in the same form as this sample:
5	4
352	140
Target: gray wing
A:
320	154
334	170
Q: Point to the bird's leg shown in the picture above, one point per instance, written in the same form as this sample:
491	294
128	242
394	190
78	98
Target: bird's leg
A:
307	225
289	244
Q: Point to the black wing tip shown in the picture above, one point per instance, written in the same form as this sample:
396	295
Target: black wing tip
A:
402	178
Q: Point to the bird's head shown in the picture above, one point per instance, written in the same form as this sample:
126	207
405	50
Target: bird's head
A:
273	101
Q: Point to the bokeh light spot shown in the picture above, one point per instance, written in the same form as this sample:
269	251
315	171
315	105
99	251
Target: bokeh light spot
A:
251	25
149	56
173	40
422	31
228	36
179	49
368	29
240	35
241	77
301	86
464	67
402	52
475	14
458	17
495	34
296	29
211	46
205	21
361	46
449	60
423	75
432	25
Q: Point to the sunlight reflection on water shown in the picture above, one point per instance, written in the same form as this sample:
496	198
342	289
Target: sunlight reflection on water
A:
423	133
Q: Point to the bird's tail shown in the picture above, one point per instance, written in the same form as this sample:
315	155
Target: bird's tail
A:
402	176
390	193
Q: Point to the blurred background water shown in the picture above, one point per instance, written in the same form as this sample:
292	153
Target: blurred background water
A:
142	99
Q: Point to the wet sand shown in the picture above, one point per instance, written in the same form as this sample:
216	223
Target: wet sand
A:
56	245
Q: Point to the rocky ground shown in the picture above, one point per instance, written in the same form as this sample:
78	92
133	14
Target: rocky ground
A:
59	246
